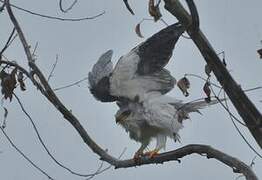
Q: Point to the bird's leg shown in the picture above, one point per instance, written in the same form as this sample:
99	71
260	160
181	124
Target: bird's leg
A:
152	154
140	152
160	143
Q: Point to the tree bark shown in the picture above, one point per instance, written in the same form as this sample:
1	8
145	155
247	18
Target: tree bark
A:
246	109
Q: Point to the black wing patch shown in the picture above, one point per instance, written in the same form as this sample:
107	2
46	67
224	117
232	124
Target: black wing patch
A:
156	51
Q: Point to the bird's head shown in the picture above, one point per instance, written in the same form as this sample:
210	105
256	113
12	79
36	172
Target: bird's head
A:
121	116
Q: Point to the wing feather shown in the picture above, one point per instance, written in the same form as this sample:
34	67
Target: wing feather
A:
102	68
156	51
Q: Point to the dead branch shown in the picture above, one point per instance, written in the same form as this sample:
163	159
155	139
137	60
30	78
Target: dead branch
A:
244	106
54	17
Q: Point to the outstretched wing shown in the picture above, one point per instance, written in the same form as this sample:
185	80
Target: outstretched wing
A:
156	51
102	68
141	71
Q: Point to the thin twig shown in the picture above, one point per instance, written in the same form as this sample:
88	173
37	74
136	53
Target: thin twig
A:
54	17
67	9
100	170
2	7
7	43
200	77
70	85
43	144
240	133
53	68
233	117
34	51
220	87
24	156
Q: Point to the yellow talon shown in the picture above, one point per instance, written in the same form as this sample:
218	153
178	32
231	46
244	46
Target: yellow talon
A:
152	154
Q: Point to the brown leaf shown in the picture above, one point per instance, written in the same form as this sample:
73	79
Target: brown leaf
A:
184	85
207	91
8	83
154	10
20	79
138	31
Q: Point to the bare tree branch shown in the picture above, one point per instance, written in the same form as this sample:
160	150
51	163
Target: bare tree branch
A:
194	27
54	17
47	91
244	106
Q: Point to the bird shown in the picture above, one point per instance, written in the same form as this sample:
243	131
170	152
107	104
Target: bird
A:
139	73
157	118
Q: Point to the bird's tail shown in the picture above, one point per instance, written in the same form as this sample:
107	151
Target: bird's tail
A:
196	106
183	109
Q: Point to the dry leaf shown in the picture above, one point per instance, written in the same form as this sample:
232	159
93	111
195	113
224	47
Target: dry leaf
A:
207	91
154	10
184	85
138	31
8	83
20	79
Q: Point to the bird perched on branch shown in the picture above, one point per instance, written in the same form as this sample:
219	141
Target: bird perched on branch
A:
157	118
138	83
137	73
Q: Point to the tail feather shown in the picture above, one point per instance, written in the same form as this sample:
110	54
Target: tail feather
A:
196	106
183	109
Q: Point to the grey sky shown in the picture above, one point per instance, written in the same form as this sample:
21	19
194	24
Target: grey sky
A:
233	26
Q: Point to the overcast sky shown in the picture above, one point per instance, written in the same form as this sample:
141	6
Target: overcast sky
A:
233	26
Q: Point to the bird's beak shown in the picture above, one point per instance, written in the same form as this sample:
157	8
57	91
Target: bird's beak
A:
122	116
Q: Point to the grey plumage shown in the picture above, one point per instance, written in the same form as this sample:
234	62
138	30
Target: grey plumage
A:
138	83
102	68
158	117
